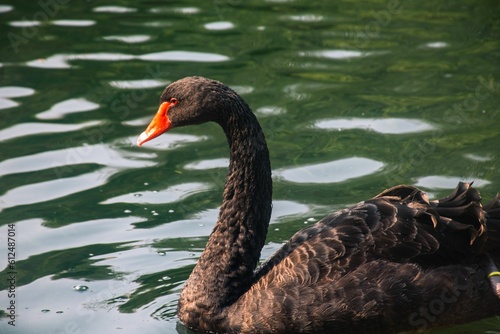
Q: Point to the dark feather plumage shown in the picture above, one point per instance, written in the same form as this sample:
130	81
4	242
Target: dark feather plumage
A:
396	262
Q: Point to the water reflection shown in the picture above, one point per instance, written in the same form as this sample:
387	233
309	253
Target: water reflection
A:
447	182
74	23
138	84
168	195
306	18
179	10
131	39
243	90
24	23
221	25
330	172
62	160
336	54
33	129
57	188
9	92
71	106
436	45
167	142
5	8
208	164
184	56
478	157
62	23
381	125
61	60
283	209
114	9
270	110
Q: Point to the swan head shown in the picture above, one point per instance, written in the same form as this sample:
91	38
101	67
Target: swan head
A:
191	100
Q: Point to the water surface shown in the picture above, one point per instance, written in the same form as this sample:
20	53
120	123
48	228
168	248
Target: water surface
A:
353	98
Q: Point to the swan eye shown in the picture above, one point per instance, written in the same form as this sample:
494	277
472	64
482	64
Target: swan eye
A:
174	101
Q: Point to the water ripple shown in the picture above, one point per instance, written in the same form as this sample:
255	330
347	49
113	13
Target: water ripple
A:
63	23
180	10
71	106
221	25
306	18
436	45
381	125
62	160
74	23
169	141
282	209
187	10
138	84
447	182
128	39
336	54
330	172
270	110
169	195
478	157
41	238
61	60
114	9
208	164
57	188
24	23
6	93
5	8
30	129
183	56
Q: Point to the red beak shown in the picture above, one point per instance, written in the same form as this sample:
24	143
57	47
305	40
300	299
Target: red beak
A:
158	125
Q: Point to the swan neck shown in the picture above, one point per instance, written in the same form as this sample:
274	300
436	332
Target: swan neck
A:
225	269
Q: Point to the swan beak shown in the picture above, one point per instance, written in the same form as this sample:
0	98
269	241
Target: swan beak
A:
158	125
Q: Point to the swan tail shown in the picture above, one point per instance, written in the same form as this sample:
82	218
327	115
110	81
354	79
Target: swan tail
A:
457	222
463	219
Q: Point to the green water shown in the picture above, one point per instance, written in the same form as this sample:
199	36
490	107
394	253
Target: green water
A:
354	97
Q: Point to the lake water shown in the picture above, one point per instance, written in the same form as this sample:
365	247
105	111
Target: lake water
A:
354	97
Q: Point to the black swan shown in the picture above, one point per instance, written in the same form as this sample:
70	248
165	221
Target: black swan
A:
396	262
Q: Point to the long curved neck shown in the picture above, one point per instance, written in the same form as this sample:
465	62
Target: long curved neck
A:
225	269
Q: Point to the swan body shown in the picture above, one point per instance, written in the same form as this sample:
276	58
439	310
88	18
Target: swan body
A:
396	262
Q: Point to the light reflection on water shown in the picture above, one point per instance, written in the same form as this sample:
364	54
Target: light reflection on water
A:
387	125
49	190
331	172
60	109
7	93
60	61
32	129
169	195
447	182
